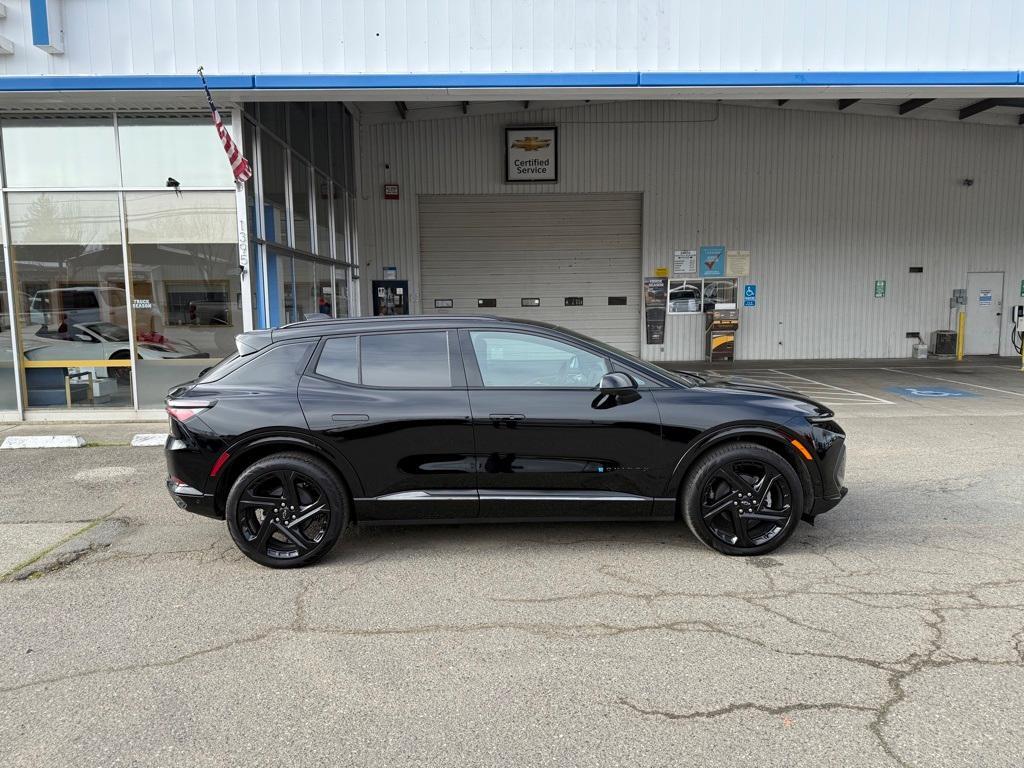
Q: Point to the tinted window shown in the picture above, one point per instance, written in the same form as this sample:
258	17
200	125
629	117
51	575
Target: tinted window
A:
340	359
523	360
406	360
278	367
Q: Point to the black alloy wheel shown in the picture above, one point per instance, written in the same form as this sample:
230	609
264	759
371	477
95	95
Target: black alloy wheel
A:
286	510
743	499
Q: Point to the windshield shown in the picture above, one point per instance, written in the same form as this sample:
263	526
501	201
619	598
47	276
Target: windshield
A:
109	331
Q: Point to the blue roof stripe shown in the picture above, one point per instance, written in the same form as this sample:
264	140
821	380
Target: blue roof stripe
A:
121	82
19	83
733	79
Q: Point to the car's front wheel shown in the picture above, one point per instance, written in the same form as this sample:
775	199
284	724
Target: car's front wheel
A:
287	510
742	499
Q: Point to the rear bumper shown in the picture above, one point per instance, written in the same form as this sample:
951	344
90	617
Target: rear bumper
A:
192	500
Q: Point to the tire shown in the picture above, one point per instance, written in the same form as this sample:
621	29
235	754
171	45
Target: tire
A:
265	509
742	499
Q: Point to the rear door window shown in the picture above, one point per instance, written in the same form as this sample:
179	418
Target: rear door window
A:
405	360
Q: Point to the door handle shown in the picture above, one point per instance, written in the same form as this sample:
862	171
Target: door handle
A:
507	418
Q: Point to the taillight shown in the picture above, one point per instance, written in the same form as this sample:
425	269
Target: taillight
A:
183	410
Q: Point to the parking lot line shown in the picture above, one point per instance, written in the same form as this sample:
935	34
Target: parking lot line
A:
955	381
819	390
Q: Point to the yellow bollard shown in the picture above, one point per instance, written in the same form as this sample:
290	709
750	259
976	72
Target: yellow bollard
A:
960	336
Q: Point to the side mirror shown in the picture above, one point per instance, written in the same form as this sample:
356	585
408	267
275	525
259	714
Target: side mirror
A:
617	383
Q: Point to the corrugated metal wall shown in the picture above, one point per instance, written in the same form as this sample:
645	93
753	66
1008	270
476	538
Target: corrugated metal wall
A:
401	36
827	203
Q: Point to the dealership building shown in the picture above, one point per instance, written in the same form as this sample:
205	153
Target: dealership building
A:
845	178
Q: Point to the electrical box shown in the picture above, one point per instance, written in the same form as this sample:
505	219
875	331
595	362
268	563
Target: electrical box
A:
943	343
959	298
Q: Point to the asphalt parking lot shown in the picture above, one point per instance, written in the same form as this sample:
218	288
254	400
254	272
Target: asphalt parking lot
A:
889	634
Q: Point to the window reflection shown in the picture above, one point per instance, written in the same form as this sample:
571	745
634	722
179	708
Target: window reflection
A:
72	315
274	196
186	285
300	204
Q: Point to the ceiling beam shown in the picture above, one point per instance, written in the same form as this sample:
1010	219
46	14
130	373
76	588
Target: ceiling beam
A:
985	104
402	109
911	104
844	103
978	107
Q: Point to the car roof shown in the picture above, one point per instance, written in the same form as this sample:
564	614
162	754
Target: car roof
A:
330	327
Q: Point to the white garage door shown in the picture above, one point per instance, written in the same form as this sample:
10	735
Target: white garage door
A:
578	254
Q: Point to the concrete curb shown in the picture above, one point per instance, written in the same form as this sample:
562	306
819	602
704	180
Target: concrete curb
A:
42	441
149	440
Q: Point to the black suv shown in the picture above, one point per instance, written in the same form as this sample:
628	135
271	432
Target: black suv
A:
320	424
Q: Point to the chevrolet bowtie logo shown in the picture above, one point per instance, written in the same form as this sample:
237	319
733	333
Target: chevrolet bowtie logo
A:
531	143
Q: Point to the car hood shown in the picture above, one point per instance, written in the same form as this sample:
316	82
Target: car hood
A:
712	381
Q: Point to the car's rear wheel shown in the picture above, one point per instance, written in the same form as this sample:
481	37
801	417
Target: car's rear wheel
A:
742	499
287	510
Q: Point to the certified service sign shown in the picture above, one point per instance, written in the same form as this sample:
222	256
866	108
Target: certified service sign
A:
531	154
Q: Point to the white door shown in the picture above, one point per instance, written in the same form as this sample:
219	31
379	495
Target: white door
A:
984	313
572	260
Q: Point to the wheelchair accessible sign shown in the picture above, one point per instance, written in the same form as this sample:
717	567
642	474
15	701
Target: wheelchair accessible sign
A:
937	393
749	295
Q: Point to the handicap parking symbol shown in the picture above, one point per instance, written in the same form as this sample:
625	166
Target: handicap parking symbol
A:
749	295
933	392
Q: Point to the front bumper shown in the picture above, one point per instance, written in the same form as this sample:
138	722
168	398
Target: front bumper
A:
832	467
192	500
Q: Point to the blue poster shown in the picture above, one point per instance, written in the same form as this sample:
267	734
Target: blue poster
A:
712	261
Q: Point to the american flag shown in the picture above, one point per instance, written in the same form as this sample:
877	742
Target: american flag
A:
239	165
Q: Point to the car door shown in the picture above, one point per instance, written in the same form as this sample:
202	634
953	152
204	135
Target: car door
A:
395	406
548	442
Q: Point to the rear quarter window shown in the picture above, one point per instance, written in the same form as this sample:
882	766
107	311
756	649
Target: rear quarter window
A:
279	366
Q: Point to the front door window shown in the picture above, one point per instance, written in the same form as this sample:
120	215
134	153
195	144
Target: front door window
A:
524	360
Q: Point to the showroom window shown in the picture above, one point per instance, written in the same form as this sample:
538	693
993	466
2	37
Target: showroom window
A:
116	287
186	285
60	153
73	328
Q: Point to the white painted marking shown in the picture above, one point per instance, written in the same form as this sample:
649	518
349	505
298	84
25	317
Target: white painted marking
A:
955	381
149	440
42	441
834	388
102	474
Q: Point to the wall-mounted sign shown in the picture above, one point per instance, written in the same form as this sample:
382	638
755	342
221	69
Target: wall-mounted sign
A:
444	303
390	273
985	296
655	300
661	271
574	301
712	261
749	295
487	302
531	154
390	297
684	263
879	289
390	191
529	302
737	263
